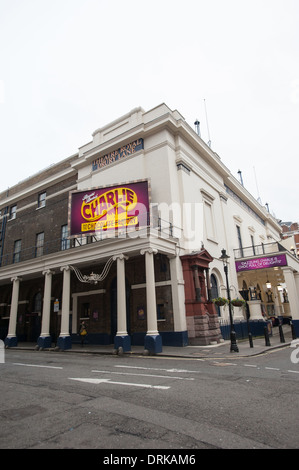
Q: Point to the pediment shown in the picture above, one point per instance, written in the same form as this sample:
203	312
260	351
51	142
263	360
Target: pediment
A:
200	258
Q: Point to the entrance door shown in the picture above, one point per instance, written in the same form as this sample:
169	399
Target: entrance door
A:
214	292
113	301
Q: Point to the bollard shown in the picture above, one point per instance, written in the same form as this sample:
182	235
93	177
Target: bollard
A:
293	330
266	333
282	340
250	339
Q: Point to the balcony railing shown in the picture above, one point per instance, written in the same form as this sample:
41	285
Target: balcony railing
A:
162	228
258	250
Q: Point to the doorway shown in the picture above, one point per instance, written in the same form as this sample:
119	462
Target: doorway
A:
215	292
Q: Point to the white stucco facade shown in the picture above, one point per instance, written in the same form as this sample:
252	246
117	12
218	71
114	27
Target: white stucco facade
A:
192	188
196	206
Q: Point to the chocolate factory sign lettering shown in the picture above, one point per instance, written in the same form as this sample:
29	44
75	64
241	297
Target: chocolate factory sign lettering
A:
109	208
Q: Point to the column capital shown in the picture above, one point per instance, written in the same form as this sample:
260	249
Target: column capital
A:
120	256
65	268
149	250
47	271
16	278
194	267
287	268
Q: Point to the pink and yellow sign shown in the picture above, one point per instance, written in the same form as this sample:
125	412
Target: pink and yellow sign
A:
110	208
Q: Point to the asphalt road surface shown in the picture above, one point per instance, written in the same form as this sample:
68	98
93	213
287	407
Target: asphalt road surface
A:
65	400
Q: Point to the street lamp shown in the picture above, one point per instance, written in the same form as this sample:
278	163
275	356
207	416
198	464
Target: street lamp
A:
233	343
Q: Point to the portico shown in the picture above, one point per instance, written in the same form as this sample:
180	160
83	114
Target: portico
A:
143	259
270	280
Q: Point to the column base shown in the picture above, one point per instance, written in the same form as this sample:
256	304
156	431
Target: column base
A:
64	342
153	343
44	341
11	341
122	342
296	327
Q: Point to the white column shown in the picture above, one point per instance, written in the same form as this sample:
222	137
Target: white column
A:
293	294
122	339
121	296
153	340
296	277
75	314
64	340
178	294
255	310
152	325
47	304
11	339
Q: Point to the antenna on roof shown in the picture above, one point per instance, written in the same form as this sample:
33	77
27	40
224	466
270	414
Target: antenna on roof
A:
241	178
197	127
209	141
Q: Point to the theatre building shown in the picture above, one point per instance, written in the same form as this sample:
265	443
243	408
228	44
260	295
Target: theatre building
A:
126	235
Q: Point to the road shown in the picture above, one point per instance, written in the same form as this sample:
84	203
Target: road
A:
64	400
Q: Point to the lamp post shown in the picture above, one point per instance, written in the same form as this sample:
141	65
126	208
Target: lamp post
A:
233	342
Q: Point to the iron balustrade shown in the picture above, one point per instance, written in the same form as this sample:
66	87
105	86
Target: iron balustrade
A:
163	229
258	250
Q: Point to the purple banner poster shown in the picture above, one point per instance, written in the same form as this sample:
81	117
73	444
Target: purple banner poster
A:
261	263
110	208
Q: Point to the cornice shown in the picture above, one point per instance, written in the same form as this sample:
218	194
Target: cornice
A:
37	187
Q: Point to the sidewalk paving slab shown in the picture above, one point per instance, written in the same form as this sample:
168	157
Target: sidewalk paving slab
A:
218	350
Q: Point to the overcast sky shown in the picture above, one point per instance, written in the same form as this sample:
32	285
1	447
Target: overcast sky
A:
68	67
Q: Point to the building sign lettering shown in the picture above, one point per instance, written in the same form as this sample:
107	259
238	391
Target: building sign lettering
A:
118	154
261	263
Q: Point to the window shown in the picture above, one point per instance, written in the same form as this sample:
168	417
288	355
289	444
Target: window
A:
208	214
160	312
37	303
17	251
240	241
252	244
85	310
39	246
13	212
209	220
41	200
65	242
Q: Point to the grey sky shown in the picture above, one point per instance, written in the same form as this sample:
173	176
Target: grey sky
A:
68	67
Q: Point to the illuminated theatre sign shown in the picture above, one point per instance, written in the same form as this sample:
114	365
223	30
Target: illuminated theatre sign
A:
261	263
110	208
118	154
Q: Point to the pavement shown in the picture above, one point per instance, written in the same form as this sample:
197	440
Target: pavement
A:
220	350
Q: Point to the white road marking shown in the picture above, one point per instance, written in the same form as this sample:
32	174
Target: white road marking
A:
250	365
294	371
224	364
271	368
142	375
157	369
108	381
36	365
